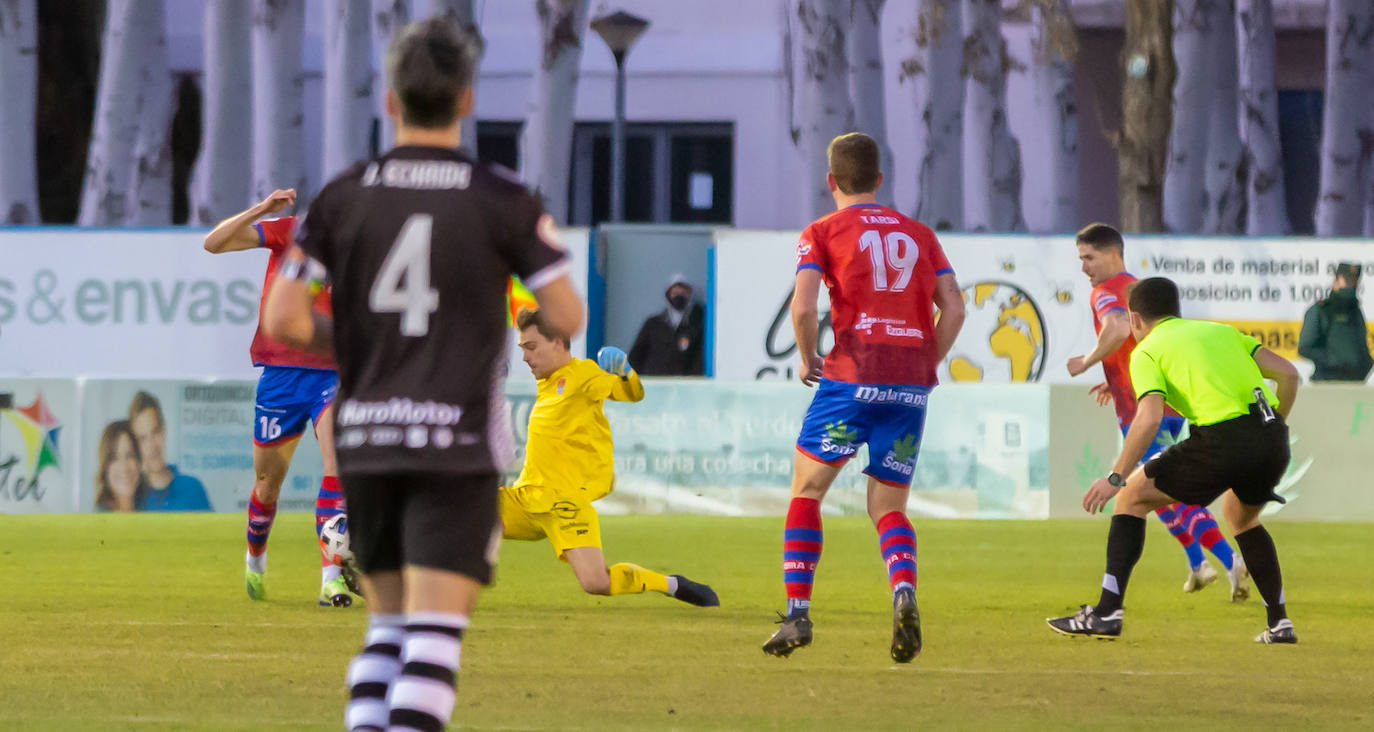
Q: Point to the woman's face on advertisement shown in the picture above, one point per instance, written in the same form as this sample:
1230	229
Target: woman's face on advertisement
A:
122	473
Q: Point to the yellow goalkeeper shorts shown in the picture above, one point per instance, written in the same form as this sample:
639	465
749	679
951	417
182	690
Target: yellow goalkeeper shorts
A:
530	513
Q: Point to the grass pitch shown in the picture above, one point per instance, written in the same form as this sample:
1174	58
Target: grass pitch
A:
141	622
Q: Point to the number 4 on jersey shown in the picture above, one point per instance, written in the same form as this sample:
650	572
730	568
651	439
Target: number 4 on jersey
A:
408	259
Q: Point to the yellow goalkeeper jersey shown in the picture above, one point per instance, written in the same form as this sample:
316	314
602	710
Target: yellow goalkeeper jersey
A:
569	444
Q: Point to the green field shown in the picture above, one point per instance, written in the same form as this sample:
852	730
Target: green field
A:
140	622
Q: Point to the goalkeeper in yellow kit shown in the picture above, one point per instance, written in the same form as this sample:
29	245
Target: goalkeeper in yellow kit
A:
568	464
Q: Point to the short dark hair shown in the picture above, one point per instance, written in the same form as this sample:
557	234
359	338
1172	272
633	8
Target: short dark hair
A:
855	162
429	66
1154	298
532	318
1100	236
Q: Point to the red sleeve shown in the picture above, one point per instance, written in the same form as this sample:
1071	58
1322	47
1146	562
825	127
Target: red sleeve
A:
810	254
276	234
1104	300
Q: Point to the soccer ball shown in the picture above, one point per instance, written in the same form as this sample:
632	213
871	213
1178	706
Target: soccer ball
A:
334	540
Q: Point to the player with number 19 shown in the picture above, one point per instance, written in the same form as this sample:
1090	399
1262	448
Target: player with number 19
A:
884	272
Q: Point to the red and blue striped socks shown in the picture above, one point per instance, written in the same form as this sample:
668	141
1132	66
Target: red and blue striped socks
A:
897	539
260	517
801	552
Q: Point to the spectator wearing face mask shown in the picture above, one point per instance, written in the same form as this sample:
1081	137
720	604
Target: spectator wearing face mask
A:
669	343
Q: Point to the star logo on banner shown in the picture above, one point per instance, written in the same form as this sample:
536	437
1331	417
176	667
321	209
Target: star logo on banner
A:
39	429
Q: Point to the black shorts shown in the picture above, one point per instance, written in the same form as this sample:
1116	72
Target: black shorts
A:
435	520
1244	454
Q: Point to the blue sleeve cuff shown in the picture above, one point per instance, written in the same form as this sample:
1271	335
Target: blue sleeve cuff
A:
809	265
1116	308
262	238
946	270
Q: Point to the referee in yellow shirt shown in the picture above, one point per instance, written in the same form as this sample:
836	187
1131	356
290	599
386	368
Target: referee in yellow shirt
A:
1214	375
568	464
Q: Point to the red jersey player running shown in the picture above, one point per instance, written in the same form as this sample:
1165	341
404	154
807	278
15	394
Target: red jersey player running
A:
884	272
1101	250
295	387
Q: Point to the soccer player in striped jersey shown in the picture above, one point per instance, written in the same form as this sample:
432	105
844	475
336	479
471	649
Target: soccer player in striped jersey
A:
884	272
296	387
1100	249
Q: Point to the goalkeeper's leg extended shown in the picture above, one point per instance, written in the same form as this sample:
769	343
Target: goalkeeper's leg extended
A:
625	578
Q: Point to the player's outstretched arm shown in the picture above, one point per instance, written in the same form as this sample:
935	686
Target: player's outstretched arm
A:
288	315
951	303
236	233
1283	373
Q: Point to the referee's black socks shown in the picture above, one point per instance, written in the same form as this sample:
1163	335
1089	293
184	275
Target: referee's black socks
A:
1125	542
1262	559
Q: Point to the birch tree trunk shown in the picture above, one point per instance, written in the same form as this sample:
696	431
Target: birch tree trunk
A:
866	81
223	179
546	140
1348	121
462	11
1266	210
388	18
823	105
1224	171
1055	45
131	30
278	84
1197	23
940	107
348	101
992	157
150	186
1147	102
19	113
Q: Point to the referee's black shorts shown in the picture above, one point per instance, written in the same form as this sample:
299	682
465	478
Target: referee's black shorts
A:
1244	454
435	520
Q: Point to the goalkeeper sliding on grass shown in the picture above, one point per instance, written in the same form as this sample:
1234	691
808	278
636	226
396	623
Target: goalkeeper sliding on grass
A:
568	464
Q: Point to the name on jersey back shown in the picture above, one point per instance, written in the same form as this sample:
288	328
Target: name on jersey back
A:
420	175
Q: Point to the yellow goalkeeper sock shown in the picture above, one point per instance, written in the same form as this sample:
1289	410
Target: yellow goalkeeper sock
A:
632	579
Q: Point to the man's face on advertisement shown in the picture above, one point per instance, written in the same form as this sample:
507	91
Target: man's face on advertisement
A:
152	440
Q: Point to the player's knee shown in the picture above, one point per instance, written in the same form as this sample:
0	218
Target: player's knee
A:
594	584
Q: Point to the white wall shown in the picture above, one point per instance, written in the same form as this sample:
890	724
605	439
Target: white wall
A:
710	61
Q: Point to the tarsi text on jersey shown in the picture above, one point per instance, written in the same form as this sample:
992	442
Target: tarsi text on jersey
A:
420	175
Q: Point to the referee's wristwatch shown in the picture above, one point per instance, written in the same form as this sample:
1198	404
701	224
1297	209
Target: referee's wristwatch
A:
1116	480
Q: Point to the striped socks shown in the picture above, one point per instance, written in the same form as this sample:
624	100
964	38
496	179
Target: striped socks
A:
329	502
801	552
371	672
897	539
1173	517
421	697
260	517
1203	525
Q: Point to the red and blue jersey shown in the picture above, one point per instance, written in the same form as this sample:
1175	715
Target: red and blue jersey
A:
880	268
277	235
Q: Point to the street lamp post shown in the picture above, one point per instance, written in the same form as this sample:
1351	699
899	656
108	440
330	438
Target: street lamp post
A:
619	30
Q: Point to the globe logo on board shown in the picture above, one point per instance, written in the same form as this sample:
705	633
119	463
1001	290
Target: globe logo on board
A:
1003	338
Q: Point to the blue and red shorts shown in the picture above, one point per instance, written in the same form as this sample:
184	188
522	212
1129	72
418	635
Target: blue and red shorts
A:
889	419
287	398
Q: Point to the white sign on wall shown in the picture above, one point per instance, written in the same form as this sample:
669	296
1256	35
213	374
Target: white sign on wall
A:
39	428
140	303
1027	298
